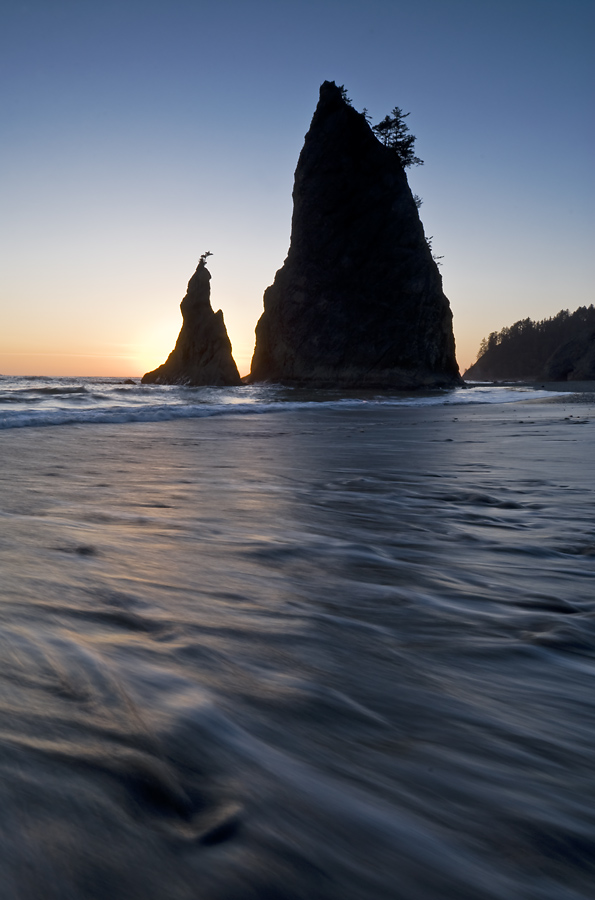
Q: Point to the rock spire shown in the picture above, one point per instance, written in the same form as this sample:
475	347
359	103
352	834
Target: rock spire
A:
202	355
358	302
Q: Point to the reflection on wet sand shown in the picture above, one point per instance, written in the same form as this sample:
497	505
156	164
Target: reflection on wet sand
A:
337	654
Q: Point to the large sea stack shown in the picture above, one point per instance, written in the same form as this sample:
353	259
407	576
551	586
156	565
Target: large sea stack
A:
359	300
202	355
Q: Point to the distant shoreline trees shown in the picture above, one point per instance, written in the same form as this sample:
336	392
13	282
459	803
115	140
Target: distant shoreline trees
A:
523	349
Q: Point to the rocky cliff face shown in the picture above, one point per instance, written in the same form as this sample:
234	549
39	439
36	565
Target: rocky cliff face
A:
359	300
573	361
202	355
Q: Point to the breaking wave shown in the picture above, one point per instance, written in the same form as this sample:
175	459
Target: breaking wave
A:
36	402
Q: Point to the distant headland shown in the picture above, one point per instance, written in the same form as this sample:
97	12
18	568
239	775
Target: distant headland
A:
358	301
561	348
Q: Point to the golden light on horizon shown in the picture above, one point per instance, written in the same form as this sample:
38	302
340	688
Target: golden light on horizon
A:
154	342
58	364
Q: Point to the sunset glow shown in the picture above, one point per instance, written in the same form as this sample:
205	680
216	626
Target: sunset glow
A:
127	153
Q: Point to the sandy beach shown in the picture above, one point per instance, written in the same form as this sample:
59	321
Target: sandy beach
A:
340	653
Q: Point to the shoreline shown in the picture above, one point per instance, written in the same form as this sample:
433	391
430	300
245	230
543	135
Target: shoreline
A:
342	612
448	419
578	387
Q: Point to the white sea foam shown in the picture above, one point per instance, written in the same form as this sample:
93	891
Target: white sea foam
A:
37	402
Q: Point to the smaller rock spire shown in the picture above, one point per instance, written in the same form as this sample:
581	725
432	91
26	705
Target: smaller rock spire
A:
202	355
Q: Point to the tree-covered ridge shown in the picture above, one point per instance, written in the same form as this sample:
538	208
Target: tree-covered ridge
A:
529	349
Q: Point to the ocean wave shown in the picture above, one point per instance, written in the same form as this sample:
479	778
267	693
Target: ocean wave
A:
231	403
59	390
49	391
149	413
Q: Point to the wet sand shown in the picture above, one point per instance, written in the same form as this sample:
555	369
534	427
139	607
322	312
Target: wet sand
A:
314	654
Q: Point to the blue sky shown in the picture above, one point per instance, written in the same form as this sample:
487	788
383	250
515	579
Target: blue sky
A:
137	135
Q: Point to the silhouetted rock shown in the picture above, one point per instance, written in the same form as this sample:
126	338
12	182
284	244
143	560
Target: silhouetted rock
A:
359	300
202	355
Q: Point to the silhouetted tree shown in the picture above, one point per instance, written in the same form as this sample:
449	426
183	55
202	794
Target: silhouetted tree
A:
434	257
343	90
205	256
393	132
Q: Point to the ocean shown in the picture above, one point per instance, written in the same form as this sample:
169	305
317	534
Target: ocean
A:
270	644
37	401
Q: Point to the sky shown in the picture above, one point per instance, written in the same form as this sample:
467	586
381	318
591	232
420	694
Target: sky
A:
137	134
